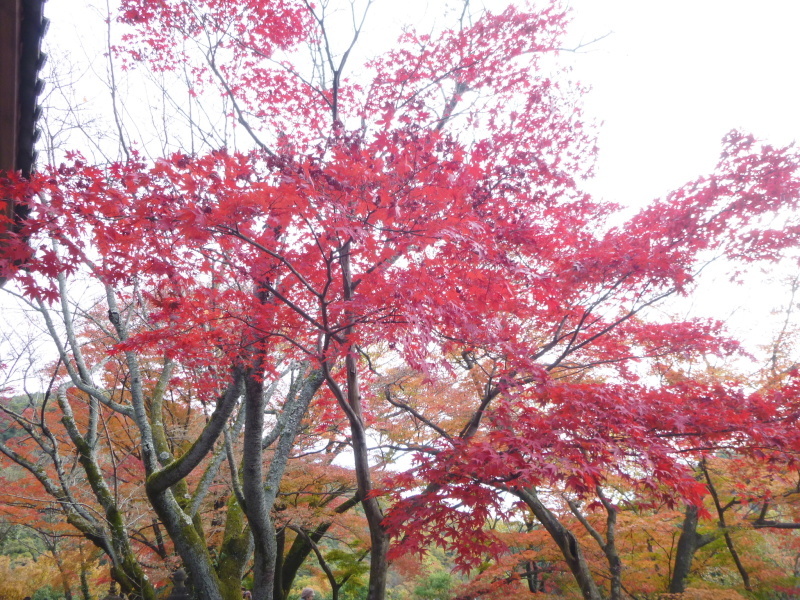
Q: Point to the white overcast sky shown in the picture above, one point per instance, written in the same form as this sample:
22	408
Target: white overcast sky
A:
673	77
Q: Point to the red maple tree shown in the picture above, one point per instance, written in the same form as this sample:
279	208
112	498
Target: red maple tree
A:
430	212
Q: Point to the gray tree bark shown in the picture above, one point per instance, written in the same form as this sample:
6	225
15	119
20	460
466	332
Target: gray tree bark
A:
260	491
689	543
566	541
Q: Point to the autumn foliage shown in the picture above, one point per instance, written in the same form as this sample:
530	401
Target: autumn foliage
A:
400	271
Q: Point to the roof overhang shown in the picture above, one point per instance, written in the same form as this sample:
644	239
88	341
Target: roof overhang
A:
22	27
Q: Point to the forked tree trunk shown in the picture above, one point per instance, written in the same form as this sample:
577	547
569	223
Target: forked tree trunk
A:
379	538
300	549
723	526
608	544
566	542
350	402
689	543
260	490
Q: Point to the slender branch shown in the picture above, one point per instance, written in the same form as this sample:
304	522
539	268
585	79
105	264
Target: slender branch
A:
112	87
417	415
576	510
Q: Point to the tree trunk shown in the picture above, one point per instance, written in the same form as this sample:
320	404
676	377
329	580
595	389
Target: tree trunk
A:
277	587
260	491
607	545
256	508
685	552
188	540
235	551
689	543
565	540
723	526
188	544
610	548
126	569
62	572
615	567
350	402
532	576
378	561
379	564
84	577
301	548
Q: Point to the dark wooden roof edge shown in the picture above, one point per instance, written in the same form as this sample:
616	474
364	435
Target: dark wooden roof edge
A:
32	30
22	59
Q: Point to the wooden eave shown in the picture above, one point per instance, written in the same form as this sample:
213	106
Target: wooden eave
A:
22	27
